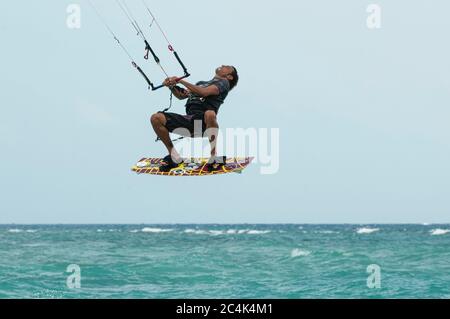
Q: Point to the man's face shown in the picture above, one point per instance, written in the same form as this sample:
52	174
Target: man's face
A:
224	71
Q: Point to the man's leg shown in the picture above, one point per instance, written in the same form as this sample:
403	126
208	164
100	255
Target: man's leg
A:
212	130
159	121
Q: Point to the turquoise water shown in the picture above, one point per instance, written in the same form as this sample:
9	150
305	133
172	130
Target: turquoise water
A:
225	261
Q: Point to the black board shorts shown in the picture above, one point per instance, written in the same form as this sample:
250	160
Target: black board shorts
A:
176	121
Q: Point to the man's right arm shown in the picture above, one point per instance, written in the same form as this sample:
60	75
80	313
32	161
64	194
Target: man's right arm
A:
180	93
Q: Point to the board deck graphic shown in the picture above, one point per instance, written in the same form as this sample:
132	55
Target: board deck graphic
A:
192	167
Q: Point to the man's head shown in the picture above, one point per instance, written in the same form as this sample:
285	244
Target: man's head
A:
228	72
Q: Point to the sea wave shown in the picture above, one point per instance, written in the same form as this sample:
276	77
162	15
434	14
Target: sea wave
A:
216	232
296	252
366	230
17	230
112	230
439	231
326	232
226	232
156	230
195	231
258	232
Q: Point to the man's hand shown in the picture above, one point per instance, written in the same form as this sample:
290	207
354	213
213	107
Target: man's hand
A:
178	92
170	81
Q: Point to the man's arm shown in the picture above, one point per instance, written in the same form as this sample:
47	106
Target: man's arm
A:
201	91
179	93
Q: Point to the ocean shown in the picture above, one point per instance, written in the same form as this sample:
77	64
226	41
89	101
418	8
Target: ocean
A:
225	261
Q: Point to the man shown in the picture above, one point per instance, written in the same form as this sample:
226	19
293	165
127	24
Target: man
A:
203	102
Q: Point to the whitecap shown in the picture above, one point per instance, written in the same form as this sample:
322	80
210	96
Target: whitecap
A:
225	232
258	232
299	253
327	232
366	230
155	230
134	231
216	232
439	231
15	230
195	231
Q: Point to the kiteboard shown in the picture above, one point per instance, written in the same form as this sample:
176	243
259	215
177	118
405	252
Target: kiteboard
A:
193	166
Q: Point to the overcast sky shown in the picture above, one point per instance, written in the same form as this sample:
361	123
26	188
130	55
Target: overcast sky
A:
363	114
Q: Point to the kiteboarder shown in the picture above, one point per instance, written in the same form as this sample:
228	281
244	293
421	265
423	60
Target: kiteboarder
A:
203	102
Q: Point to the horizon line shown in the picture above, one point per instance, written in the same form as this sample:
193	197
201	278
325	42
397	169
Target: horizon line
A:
246	223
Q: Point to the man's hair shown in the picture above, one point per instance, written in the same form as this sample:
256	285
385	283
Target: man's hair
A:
235	80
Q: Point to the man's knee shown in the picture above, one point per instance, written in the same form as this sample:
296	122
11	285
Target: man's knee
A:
210	116
158	119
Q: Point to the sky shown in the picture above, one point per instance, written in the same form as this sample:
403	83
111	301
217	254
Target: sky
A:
362	112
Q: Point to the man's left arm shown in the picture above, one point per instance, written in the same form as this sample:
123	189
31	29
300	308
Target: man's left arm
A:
199	90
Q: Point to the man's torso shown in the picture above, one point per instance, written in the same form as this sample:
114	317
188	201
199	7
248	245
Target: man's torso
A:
197	105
